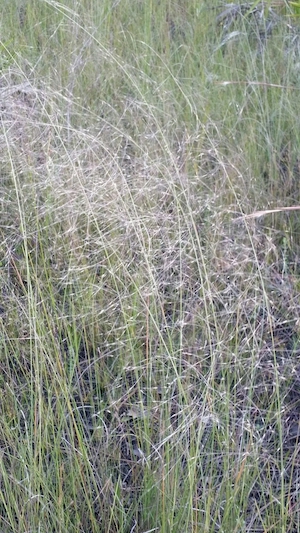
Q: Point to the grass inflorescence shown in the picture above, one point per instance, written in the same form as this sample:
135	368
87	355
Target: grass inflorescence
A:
149	239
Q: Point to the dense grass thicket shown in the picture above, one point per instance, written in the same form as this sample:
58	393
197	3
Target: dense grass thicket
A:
149	346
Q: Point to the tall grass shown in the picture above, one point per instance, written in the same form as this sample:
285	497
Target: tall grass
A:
149	331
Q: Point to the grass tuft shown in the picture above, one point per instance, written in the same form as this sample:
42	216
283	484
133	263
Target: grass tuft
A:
149	245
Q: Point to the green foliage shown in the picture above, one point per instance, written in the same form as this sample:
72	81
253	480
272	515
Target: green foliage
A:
149	329
295	8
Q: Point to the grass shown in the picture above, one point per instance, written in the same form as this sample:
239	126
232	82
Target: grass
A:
149	343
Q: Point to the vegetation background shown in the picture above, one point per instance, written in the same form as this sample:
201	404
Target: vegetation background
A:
149	344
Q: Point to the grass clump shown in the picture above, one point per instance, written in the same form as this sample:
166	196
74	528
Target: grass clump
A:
149	344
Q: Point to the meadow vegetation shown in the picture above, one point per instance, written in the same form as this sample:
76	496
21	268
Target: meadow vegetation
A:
149	346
